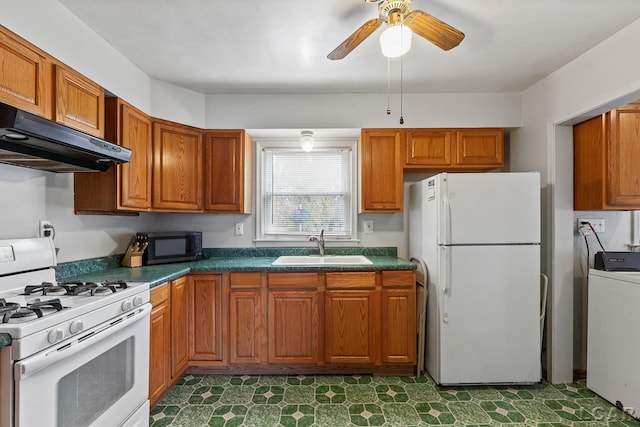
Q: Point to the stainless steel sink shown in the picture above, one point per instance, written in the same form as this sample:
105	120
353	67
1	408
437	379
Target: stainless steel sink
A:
322	260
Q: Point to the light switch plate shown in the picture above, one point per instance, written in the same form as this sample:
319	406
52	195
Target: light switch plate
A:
368	226
239	229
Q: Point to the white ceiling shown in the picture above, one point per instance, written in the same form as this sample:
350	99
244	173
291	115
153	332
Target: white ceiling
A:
280	46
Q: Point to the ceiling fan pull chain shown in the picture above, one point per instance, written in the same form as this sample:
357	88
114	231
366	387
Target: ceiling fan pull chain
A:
401	116
388	85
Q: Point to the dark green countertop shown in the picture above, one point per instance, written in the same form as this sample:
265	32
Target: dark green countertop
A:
4	340
230	260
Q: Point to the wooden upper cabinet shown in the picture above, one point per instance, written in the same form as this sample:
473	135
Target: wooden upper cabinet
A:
454	149
25	75
480	148
177	167
228	163
606	153
79	102
125	187
134	132
428	147
381	170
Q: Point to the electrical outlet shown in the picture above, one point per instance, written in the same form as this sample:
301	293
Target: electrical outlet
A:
597	223
368	226
239	229
45	229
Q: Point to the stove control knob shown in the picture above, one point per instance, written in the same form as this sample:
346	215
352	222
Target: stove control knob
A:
137	301
55	335
127	305
76	326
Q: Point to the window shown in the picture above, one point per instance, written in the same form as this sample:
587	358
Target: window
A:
302	193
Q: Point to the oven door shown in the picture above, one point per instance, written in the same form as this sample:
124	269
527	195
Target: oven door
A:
98	379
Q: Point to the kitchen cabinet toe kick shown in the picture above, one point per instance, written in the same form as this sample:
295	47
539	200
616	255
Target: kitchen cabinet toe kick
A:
381	370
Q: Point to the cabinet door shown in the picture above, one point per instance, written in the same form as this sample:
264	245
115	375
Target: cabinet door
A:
25	73
293	327
177	167
179	328
246	326
590	164
135	176
426	147
227	171
623	189
381	169
206	325
350	326
159	344
480	148
79	102
398	325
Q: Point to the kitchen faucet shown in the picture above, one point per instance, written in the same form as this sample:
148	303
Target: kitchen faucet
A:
319	241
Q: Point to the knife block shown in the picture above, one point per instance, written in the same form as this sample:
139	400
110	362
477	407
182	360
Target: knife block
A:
133	259
133	255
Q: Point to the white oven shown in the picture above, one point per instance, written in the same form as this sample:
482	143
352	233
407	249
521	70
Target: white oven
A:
79	350
94	379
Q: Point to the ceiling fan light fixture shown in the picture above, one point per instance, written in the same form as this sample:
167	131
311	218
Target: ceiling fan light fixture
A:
395	41
306	140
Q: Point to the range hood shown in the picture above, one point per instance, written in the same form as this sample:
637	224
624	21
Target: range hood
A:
31	141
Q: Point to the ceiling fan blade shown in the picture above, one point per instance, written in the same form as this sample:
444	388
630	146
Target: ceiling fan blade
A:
437	32
355	39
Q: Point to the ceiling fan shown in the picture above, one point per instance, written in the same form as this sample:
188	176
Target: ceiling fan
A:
397	12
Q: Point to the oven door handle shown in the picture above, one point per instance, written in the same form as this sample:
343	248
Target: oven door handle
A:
31	365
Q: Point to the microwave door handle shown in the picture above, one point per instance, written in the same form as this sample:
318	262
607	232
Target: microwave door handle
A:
31	365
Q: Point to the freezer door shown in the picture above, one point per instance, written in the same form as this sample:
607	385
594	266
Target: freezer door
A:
489	315
486	208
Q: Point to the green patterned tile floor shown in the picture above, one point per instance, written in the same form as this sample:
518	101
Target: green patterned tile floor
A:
342	400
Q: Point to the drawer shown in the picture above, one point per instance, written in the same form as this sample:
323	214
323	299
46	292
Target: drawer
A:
244	280
398	278
159	294
292	280
351	280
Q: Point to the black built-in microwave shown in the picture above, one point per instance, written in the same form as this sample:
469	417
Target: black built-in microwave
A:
171	246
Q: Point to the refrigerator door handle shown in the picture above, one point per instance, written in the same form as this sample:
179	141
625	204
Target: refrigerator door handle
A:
446	218
446	292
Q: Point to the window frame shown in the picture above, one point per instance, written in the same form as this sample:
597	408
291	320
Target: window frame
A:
294	145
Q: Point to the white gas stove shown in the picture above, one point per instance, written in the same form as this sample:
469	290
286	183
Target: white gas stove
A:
58	329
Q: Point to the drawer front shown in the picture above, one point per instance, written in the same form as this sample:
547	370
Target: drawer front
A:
351	280
244	280
159	294
292	280
398	278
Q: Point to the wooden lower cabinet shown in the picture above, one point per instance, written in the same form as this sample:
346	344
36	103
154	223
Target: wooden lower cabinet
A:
350	326
293	327
207	310
159	343
247	318
179	327
398	311
168	345
283	322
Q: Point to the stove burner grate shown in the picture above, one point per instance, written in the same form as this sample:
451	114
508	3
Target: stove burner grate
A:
12	312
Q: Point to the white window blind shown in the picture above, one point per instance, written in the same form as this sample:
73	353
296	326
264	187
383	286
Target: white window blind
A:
304	193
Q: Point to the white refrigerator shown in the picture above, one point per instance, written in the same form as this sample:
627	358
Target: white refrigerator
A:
479	234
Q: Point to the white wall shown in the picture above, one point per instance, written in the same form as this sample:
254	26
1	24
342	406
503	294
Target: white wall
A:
602	78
